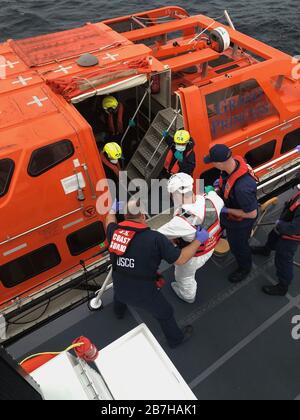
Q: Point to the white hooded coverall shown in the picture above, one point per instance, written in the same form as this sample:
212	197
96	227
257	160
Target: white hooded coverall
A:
186	286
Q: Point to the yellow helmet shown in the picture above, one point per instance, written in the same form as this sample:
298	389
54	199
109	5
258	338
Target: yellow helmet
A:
113	151
182	137
110	102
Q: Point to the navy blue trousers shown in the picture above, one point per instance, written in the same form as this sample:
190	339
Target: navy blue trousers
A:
240	247
152	302
284	258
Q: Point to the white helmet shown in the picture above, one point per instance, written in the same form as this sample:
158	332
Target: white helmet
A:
181	183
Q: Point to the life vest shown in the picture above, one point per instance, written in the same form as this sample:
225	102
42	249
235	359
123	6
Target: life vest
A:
226	187
155	87
214	229
116	125
295	203
242	170
121	241
123	237
175	168
289	213
114	168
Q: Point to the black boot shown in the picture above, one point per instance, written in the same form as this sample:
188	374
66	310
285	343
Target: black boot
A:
278	290
261	250
187	335
238	276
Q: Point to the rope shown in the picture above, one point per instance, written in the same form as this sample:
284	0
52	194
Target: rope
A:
209	26
167	17
151	19
73	346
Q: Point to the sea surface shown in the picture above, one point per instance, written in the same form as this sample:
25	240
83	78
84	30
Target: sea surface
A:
271	21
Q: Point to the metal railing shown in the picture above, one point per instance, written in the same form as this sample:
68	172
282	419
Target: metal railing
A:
147	92
162	140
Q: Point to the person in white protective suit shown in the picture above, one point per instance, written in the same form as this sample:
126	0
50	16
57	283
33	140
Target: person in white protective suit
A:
192	211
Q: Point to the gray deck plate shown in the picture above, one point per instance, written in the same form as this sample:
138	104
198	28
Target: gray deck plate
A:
268	368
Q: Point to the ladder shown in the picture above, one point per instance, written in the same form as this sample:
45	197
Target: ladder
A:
148	161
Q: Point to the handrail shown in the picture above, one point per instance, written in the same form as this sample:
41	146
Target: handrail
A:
40	227
163	138
136	20
147	92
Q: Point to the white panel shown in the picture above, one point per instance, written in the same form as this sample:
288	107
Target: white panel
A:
59	381
116	87
73	183
135	367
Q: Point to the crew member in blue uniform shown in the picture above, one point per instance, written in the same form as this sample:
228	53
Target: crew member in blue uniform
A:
137	253
284	240
237	186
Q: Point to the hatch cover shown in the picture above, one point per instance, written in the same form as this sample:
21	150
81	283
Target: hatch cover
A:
61	45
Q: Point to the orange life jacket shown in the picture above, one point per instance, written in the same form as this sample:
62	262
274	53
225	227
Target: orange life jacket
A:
215	232
294	204
115	168
124	235
121	240
175	169
242	169
119	129
155	87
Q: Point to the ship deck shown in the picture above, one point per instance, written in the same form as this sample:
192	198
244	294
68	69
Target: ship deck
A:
242	347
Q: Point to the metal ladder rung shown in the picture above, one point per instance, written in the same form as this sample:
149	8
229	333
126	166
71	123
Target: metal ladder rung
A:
139	166
145	116
133	172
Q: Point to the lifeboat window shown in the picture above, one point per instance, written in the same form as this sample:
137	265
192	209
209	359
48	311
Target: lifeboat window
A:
49	156
237	107
29	266
291	141
86	238
7	167
262	154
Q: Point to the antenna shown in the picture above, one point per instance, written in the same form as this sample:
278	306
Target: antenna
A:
231	24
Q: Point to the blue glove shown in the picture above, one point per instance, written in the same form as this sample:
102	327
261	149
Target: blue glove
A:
216	184
202	235
117	206
298	148
224	210
178	156
165	134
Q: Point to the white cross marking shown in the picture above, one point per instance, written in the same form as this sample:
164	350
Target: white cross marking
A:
63	69
10	64
111	57
22	81
37	101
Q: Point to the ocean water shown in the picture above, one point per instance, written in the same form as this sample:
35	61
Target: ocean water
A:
274	22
